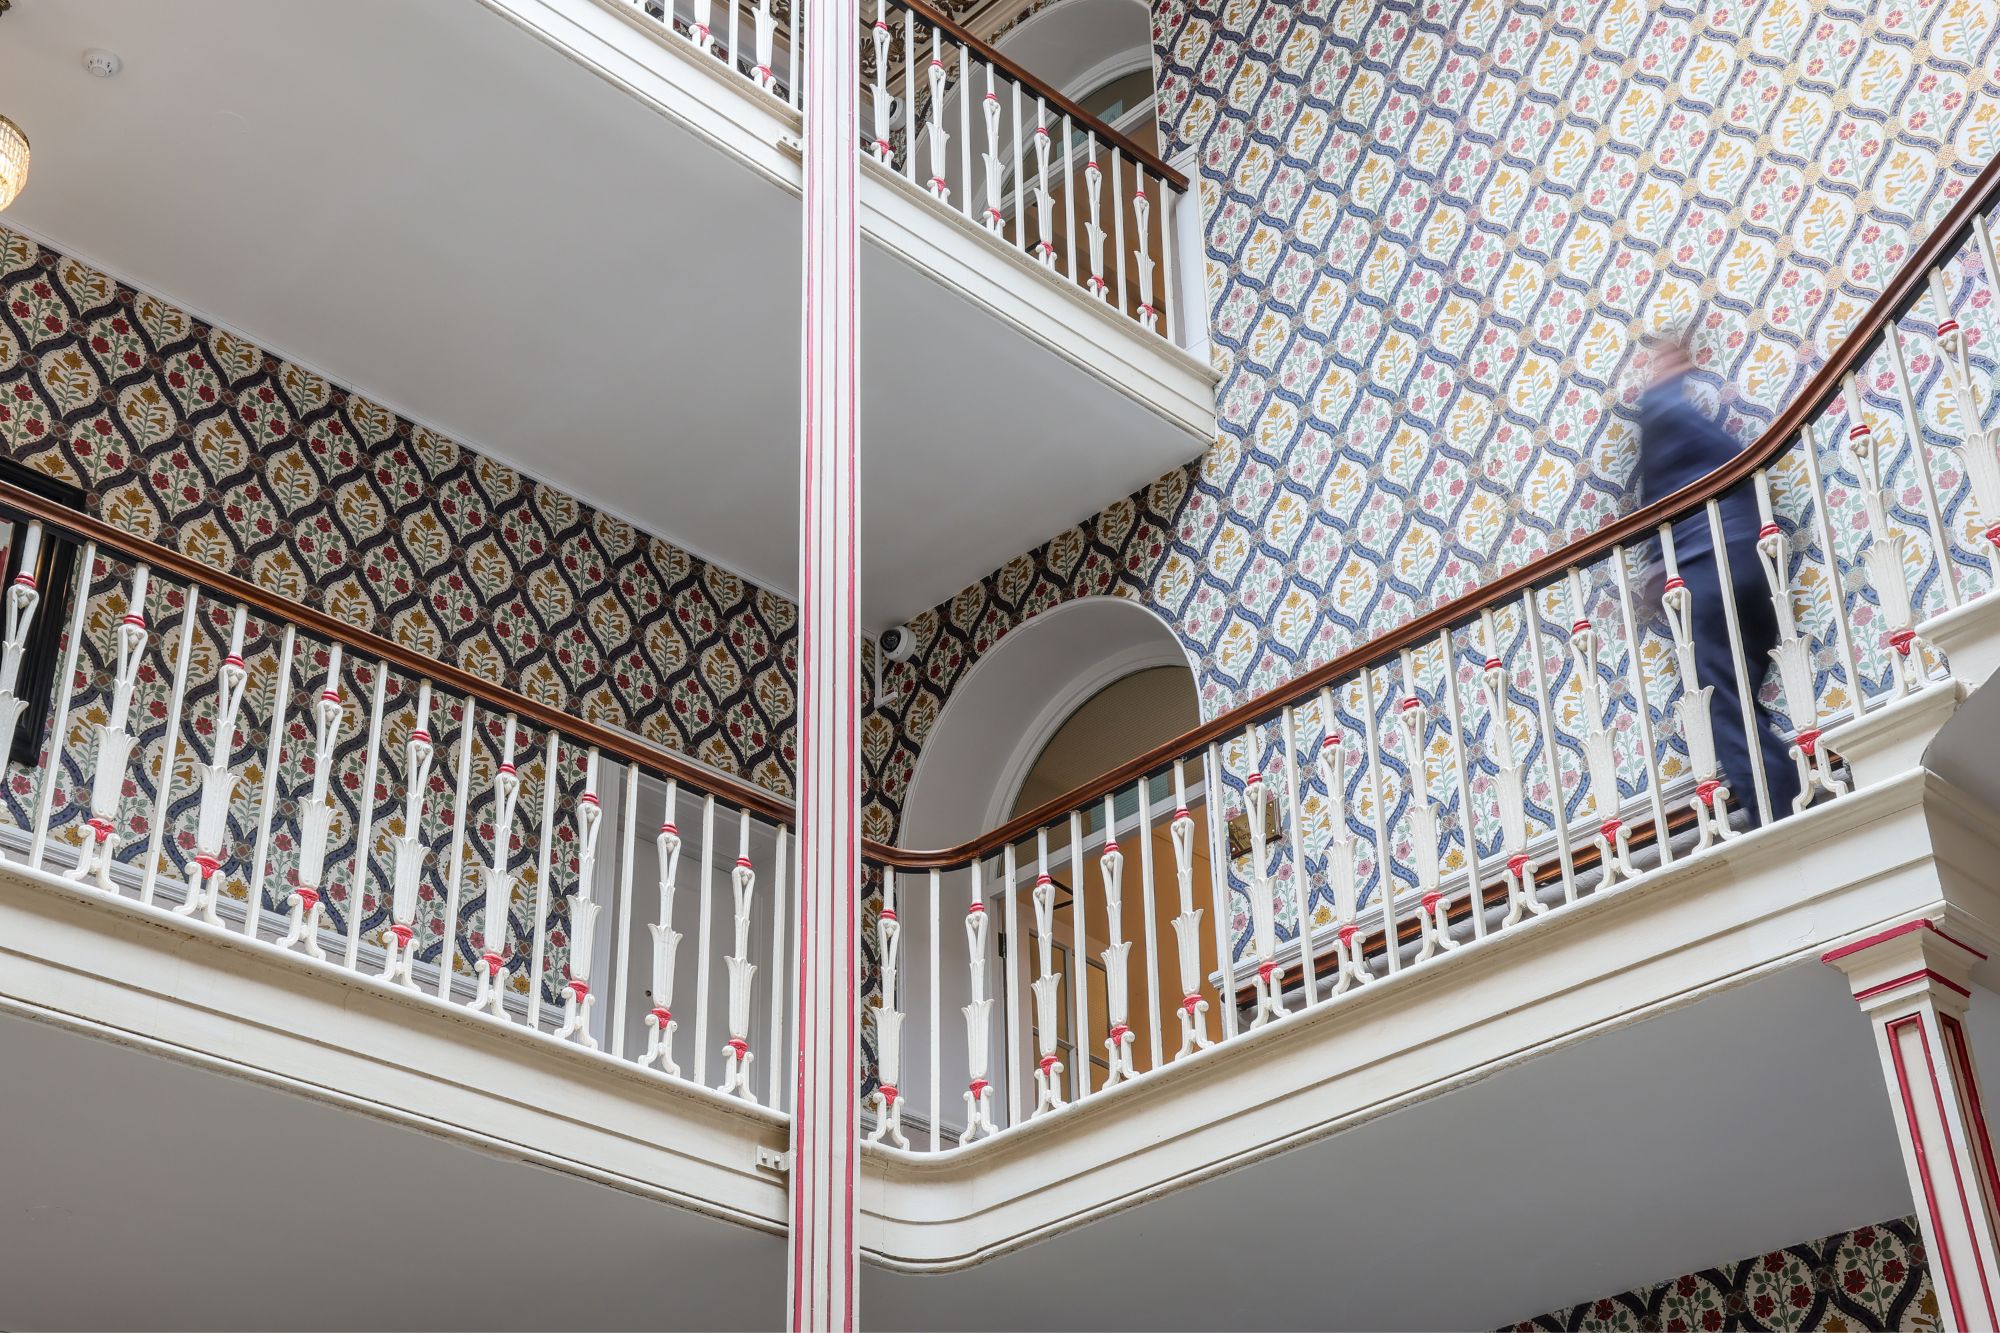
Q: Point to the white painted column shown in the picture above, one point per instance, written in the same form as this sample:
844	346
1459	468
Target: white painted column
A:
1914	981
825	1265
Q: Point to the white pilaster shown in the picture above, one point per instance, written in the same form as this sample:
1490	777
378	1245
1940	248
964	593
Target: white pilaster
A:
1914	981
825	1264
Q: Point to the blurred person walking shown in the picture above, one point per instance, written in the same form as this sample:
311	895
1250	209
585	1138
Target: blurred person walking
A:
1678	446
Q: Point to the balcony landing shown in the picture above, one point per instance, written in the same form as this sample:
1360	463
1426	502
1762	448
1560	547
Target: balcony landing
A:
557	234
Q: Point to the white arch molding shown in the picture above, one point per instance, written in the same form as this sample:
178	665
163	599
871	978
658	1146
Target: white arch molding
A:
1013	699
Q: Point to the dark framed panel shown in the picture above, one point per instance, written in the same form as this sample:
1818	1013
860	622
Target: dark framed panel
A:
55	577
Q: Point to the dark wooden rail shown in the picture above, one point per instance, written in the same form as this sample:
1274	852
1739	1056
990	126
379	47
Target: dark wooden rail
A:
1903	290
1152	161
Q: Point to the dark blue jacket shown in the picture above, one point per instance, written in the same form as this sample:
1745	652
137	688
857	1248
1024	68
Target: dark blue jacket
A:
1679	445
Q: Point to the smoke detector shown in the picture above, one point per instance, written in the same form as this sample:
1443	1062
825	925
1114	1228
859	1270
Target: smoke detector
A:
102	63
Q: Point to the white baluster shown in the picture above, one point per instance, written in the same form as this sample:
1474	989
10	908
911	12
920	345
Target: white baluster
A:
114	744
1045	209
939	138
1979	447
1263	911
1711	798
666	944
1350	968
994	220
583	910
1047	987
545	837
1423	815
1385	878
1884	557
1118	954
887	1016
218	783
1509	795
364	837
23	597
1093	188
978	1021
400	950
1794	657
48	775
883	148
765	38
1920	462
1599	753
1467	826
499	884
163	790
267	798
316	815
1187	925
698	27
736	1051
1142	207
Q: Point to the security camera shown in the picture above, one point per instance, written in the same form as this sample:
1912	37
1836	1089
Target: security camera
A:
898	644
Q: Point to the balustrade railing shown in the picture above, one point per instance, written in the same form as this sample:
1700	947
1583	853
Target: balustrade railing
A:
1033	169
1546	739
219	754
257	769
978	136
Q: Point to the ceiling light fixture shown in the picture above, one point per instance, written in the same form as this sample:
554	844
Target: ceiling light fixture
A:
13	161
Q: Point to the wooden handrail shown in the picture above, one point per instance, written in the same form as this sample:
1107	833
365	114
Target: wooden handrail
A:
1903	288
992	56
60	518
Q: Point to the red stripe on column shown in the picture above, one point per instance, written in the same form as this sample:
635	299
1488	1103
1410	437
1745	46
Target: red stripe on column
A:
1923	1163
1959	1057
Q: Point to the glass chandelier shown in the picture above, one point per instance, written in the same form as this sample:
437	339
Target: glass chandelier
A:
13	161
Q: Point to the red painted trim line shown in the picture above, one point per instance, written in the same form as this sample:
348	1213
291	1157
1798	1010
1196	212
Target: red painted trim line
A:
1923	1165
1922	923
1921	974
1959	1056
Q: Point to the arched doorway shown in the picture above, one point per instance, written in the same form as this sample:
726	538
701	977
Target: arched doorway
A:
1060	700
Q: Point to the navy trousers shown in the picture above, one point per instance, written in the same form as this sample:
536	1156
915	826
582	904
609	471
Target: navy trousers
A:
1757	621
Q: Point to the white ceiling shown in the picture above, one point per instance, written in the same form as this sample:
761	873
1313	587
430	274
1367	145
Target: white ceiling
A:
429	205
136	1192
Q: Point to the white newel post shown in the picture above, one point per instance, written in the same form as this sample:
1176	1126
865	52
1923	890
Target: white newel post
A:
826	1102
1914	982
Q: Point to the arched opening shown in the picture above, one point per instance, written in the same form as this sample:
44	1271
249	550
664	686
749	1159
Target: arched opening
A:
1066	696
1121	721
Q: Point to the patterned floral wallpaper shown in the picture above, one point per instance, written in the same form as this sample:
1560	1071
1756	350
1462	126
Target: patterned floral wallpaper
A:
1433	231
1870	1278
193	438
